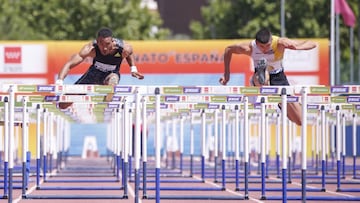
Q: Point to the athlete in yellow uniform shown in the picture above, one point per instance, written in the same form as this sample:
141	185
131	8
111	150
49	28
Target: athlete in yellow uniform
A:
267	52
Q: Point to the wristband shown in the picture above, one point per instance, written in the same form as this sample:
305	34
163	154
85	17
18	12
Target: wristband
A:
59	82
133	69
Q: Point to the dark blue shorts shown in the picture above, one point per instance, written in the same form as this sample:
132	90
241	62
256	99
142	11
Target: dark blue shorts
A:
93	76
279	79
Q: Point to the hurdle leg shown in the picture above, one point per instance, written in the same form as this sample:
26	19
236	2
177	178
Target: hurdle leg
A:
303	144
338	147
237	148
216	139
343	148
192	146
354	140
262	149
223	138
144	146
323	143
246	148
284	142
203	141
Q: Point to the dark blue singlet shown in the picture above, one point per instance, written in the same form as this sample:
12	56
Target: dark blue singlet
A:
103	65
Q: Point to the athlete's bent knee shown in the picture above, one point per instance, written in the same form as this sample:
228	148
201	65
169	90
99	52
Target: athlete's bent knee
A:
112	79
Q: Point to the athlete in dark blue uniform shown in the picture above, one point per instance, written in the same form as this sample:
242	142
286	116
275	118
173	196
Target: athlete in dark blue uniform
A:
107	54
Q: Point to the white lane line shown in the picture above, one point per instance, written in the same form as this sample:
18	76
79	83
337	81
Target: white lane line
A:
27	192
132	193
313	187
227	190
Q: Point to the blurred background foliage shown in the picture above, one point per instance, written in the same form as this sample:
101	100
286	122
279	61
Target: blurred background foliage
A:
77	20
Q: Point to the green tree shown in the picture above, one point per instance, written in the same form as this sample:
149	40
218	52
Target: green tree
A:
241	19
77	20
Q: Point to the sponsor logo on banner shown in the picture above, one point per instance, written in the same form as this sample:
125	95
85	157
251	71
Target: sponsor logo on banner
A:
201	106
172	90
108	110
353	99
206	89
234	98
23	59
36	98
319	90
339	89
12	59
268	90
113	106
89	88
50	98
122	89
207	98
292	99
103	89
326	99
338	99
195	110
116	98
235	90
26	88
355	88
45	88
221	99
249	90
192	90
59	88
213	106
172	98
12	55
257	106
312	106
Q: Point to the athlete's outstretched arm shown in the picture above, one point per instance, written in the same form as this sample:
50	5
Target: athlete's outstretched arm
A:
75	60
128	55
287	43
241	48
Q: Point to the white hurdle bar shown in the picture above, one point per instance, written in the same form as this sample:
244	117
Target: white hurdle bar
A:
48	138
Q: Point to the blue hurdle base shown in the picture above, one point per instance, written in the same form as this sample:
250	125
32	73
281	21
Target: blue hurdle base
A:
82	181
78	188
187	188
195	197
315	198
73	197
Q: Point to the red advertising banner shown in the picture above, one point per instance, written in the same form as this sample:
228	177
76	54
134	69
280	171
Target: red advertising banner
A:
186	57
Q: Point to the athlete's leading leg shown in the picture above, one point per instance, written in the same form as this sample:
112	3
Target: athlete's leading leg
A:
112	79
294	112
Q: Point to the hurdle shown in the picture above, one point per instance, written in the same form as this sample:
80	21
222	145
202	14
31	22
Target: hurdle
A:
130	108
223	155
303	197
46	123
